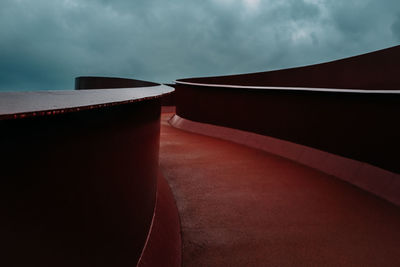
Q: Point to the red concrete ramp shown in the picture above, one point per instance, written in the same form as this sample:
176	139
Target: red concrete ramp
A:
243	207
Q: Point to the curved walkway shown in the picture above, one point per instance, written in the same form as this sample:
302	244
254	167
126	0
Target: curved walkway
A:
244	207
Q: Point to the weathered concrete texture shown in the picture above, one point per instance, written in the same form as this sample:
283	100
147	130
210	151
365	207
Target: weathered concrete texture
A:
244	207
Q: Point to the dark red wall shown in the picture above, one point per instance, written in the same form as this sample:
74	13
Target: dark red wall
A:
359	126
92	82
78	189
377	70
168	100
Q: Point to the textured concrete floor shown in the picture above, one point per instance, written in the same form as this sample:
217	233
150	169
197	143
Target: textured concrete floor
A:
244	207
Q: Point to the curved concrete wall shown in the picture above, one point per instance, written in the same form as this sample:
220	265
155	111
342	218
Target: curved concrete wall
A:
358	124
338	117
373	71
79	181
79	189
93	82
353	125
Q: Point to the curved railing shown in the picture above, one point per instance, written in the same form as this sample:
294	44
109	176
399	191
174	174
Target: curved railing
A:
79	173
355	124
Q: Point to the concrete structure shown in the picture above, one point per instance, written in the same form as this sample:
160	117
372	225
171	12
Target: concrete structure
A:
97	177
347	128
80	180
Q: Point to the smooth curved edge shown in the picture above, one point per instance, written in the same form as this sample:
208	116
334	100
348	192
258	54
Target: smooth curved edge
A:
380	182
163	245
358	91
16	105
99	82
375	70
339	60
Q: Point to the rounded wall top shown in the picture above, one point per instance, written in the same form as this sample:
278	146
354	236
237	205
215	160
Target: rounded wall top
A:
372	71
93	82
15	105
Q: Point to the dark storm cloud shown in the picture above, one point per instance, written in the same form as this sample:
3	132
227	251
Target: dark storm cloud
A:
45	44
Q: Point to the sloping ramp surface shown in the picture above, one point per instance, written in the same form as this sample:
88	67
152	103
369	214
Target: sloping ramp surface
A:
244	207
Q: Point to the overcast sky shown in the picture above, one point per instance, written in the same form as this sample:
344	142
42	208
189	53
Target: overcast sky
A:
44	44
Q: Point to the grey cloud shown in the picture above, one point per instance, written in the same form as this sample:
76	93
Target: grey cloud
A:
45	44
299	9
396	27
